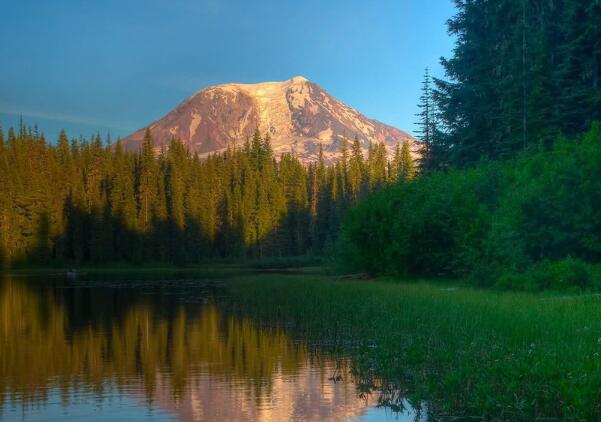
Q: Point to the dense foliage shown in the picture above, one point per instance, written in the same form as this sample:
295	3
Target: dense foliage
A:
76	201
523	78
521	73
494	218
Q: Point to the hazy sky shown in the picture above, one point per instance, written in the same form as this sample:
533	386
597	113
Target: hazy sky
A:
119	64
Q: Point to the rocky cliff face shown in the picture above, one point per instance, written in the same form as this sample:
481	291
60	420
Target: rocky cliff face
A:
298	114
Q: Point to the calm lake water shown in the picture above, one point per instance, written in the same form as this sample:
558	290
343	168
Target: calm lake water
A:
161	350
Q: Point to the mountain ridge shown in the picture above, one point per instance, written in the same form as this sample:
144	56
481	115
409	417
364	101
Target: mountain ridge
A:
298	115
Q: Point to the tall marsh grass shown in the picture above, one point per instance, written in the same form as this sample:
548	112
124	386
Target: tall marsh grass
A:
469	352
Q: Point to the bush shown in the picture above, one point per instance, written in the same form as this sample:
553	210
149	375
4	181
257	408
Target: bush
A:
566	274
433	226
551	207
512	223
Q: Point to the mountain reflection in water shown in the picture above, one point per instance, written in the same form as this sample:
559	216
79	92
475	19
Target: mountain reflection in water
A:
154	352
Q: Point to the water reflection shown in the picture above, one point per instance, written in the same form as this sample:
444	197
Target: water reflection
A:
151	352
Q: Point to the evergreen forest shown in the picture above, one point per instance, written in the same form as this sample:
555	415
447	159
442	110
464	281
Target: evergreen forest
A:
77	201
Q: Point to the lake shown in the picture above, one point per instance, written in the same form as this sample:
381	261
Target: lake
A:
164	348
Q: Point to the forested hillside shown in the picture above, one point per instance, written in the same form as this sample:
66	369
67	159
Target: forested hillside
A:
79	201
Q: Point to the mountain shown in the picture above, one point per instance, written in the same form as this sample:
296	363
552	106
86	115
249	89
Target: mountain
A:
297	113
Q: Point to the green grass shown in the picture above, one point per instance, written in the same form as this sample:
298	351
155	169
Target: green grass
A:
470	352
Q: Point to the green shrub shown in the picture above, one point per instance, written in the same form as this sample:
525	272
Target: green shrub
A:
551	207
566	274
433	226
492	223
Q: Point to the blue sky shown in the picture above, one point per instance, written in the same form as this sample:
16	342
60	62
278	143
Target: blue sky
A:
117	65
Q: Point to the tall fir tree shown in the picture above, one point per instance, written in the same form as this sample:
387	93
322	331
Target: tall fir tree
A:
407	169
356	171
520	74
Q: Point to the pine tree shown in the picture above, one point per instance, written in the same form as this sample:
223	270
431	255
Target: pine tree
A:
356	176
395	165
407	166
123	206
427	133
379	166
175	189
256	150
147	174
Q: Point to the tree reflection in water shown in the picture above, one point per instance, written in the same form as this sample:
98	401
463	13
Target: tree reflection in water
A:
192	359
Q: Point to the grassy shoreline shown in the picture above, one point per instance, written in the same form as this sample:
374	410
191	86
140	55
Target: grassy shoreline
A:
499	355
469	352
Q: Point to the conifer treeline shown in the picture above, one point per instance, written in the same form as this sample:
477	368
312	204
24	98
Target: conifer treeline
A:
80	201
521	74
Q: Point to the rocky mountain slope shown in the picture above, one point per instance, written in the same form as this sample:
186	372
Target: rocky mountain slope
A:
298	115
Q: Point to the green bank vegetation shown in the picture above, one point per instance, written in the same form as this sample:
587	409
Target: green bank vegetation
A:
532	222
510	191
469	352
